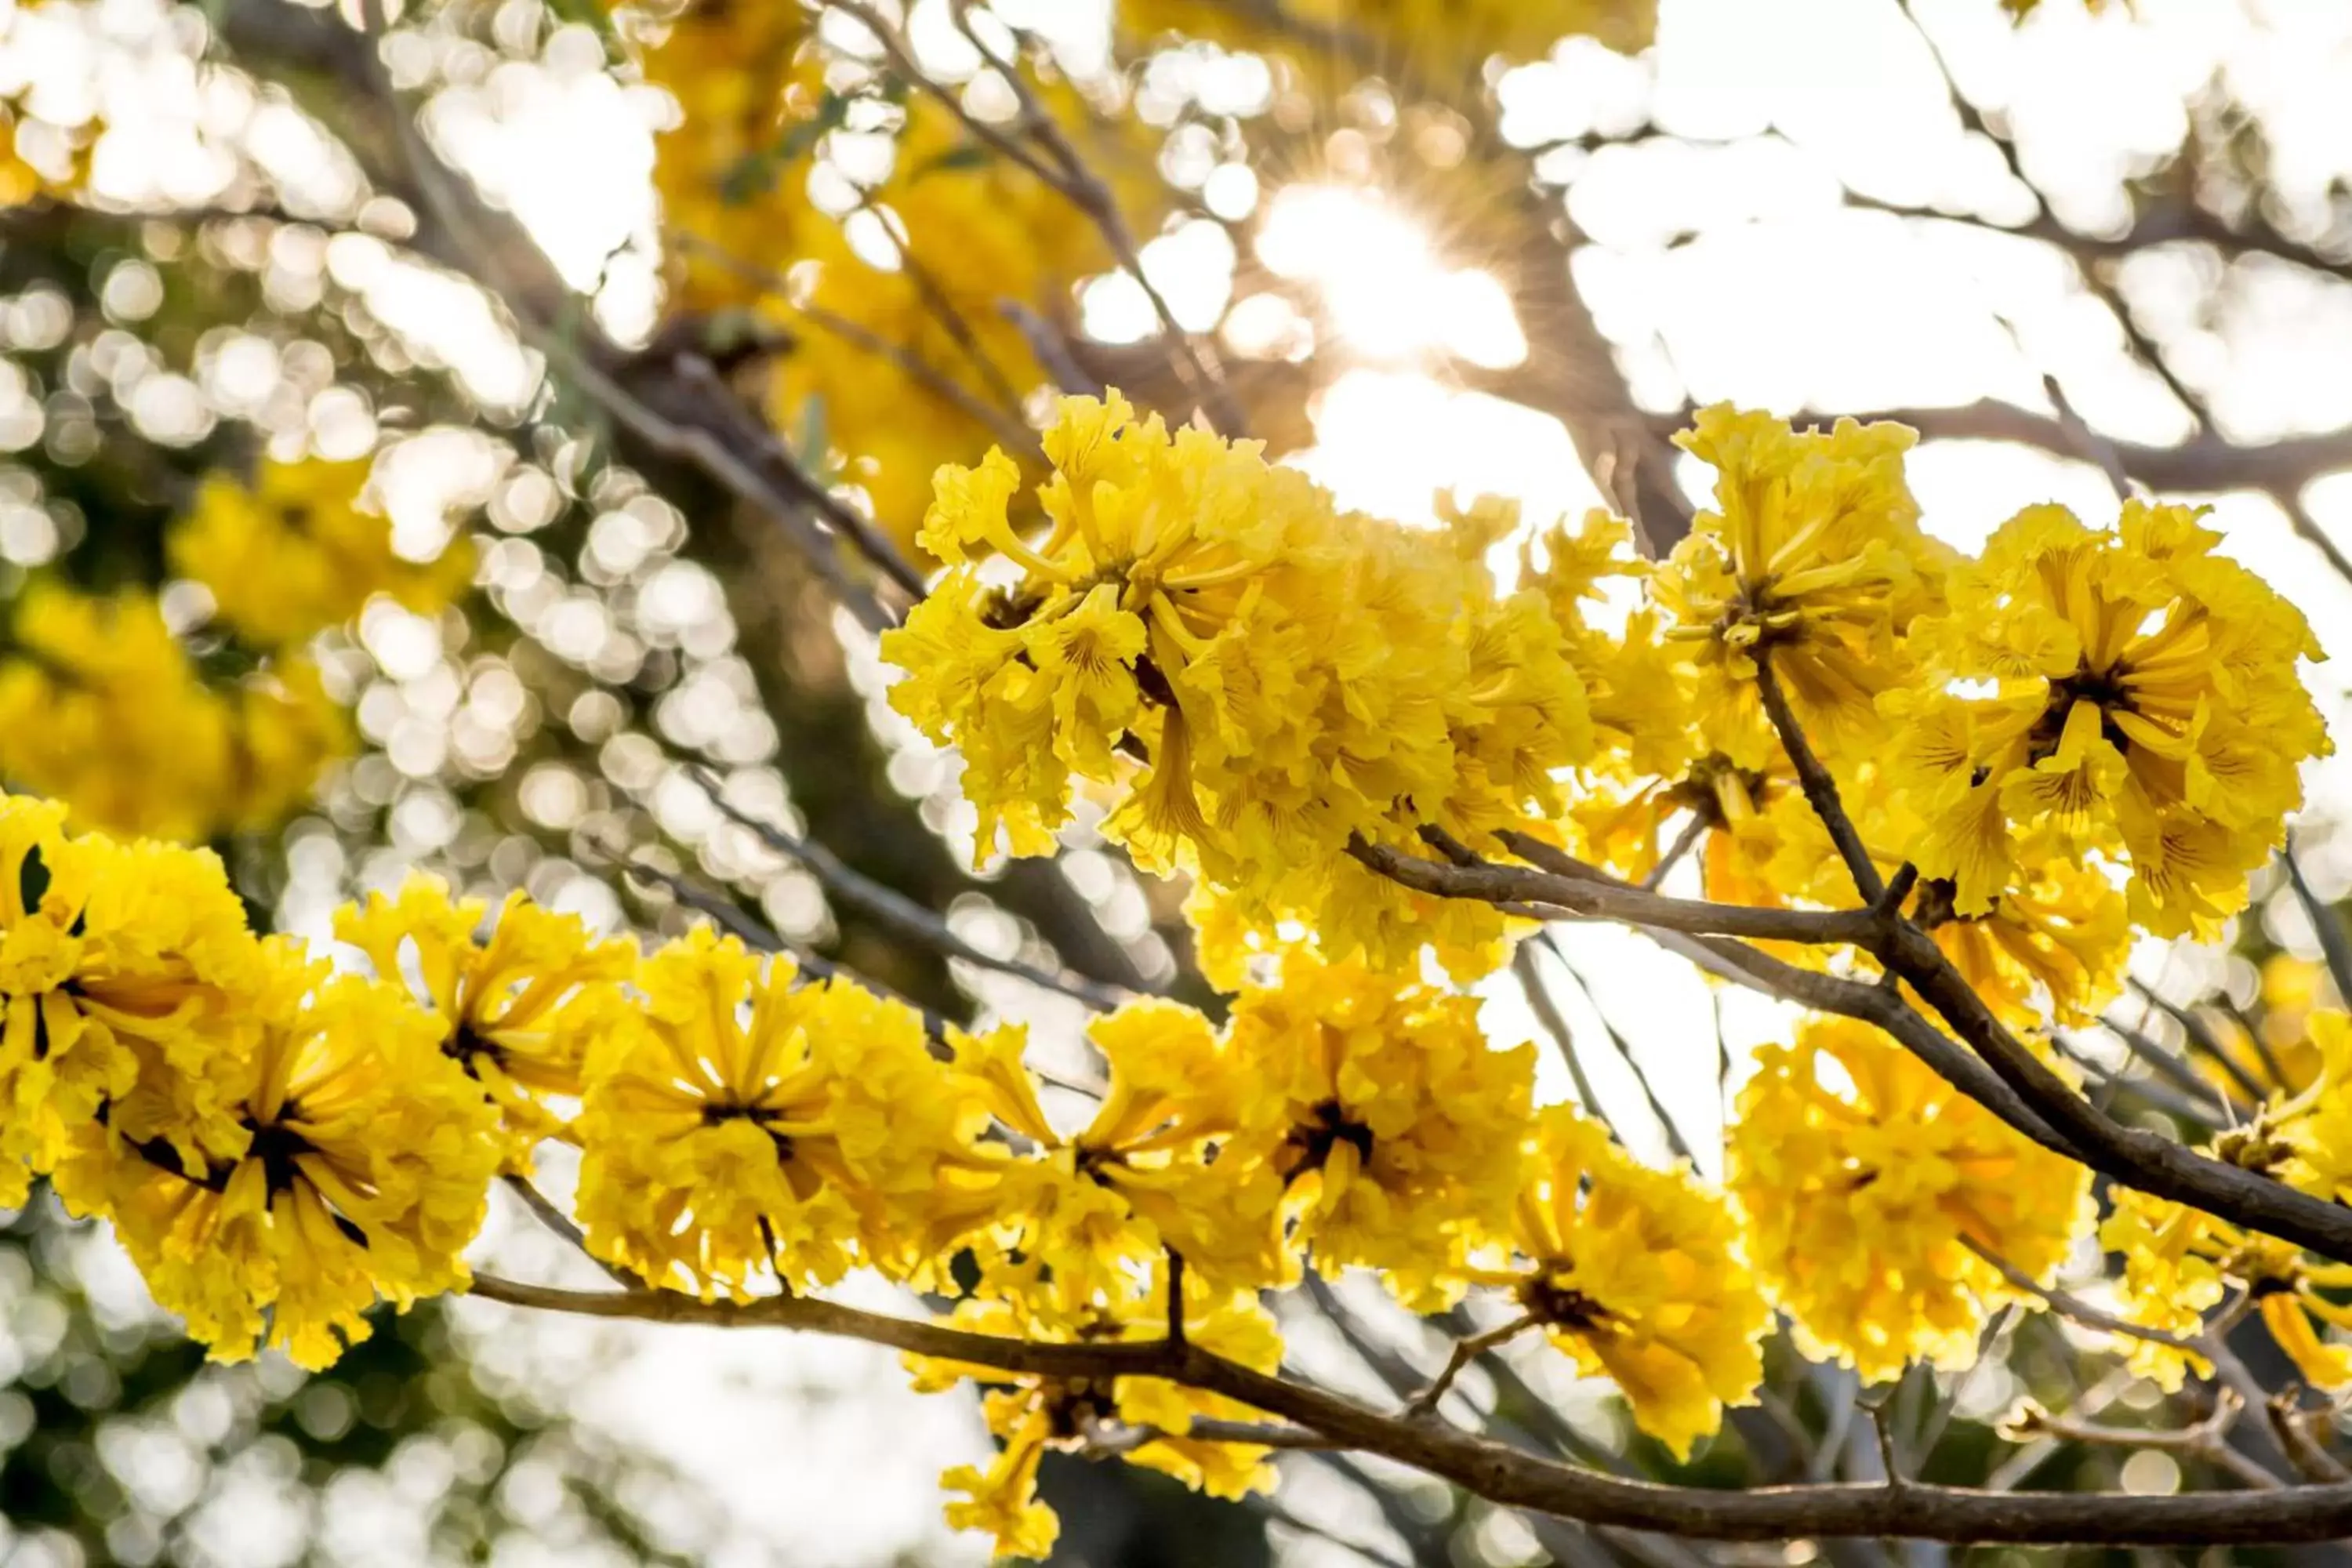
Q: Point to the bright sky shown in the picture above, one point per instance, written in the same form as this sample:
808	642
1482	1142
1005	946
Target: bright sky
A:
1722	266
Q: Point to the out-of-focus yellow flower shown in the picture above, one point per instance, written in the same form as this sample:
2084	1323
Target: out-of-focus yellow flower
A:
294	553
739	1126
103	707
876	237
1636	1273
361	1172
1396	1129
1292	677
2143	705
1814	561
1031	1415
1865	1176
516	1006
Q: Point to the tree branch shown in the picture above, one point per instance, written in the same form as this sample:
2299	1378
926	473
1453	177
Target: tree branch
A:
1518	1479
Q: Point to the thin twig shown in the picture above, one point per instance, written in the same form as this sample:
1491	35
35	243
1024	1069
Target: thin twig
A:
2325	925
1524	969
1821	789
2208	1440
894	908
1465	1353
1691	833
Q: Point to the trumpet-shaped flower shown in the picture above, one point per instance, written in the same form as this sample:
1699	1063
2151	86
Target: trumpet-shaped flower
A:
516	1006
360	1172
1637	1274
1395	1128
739	1126
1812	561
2137	696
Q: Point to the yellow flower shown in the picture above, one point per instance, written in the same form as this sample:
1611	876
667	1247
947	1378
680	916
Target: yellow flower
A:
1262	679
1031	1414
738	1126
1864	1177
515	1007
2139	700
1813	561
2317	1122
1088	1213
361	1174
2055	941
121	970
2179	1263
1637	1274
293	554
1395	1126
105	709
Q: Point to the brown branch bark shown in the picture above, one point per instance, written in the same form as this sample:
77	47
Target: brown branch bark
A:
1518	1479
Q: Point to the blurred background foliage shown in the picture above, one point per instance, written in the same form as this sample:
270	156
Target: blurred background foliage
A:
230	246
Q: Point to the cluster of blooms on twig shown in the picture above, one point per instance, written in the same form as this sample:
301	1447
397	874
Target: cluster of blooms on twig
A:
280	1146
879	362
1260	684
104	706
1265	679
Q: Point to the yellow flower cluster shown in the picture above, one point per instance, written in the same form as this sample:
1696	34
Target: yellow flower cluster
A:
103	706
1873	1190
1638	1274
1813	562
2126	694
1262	678
294	553
2080	734
875	232
276	1149
2178	1264
738	1126
514	1007
281	1147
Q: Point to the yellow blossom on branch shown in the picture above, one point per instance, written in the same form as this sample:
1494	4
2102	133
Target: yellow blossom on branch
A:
1031	1415
359	1172
1637	1275
739	1126
1396	1129
516	1006
1262	679
2126	693
121	968
1865	1178
1813	562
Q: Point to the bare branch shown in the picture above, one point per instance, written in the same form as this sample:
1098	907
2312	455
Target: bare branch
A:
1516	1478
895	910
